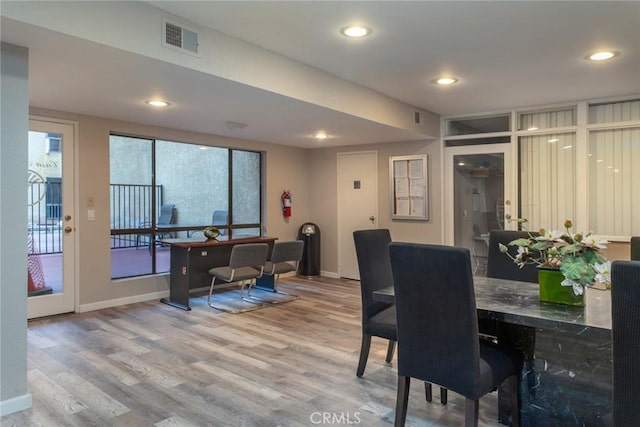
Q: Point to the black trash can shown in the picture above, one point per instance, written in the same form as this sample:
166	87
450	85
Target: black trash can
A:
310	263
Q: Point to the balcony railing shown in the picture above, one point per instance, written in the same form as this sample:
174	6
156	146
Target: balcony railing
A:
131	209
44	216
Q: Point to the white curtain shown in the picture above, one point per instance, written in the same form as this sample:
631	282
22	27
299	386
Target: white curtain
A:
614	181
547	180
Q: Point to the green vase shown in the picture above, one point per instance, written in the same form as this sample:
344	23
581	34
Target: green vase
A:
551	289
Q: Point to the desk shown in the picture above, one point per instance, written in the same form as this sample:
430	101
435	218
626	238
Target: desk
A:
567	371
192	259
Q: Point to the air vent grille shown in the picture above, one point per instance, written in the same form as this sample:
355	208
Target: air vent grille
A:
173	35
176	36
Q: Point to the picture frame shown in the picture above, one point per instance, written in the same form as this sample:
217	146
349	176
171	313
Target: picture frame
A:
408	187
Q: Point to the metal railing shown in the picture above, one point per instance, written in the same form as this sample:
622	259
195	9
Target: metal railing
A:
131	209
44	216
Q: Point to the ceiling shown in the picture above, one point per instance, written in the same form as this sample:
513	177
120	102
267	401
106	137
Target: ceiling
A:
505	55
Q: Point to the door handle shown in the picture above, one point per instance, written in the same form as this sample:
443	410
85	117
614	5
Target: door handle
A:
67	217
68	229
372	218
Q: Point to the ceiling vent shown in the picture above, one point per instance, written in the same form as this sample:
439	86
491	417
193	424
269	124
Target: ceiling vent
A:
178	37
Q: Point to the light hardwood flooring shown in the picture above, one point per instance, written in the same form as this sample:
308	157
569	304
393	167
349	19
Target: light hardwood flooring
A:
292	364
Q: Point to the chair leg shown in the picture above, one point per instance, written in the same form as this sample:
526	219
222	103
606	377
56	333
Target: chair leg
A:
210	304
471	412
211	292
428	392
443	395
275	287
515	401
250	298
390	350
402	400
364	354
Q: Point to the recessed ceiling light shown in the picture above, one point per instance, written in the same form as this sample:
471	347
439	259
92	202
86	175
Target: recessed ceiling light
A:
532	128
602	56
320	135
566	147
157	103
445	81
553	140
461	163
355	31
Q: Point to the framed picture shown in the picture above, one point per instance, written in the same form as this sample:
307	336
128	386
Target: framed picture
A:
408	187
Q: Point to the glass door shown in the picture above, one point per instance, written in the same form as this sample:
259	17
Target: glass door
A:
478	185
51	219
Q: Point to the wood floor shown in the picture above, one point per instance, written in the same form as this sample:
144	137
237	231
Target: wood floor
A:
150	364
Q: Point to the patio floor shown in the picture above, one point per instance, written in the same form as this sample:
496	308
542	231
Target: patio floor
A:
125	262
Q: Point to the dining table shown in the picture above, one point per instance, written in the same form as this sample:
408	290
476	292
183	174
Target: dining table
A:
566	378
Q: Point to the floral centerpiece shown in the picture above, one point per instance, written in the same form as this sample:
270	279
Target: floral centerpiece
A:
579	257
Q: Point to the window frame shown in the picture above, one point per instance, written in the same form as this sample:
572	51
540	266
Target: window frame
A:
151	229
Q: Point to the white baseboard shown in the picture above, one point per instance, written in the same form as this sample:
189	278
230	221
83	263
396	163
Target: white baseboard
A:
122	301
16	404
330	274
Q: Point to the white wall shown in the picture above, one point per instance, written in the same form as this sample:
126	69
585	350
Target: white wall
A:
14	127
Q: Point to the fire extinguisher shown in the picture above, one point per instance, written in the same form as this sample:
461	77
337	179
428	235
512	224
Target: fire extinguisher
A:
286	203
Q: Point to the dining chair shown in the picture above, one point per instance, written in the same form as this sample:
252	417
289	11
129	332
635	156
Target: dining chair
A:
437	329
625	336
635	248
500	266
285	257
246	264
378	318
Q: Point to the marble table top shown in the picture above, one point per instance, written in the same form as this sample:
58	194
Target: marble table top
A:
518	303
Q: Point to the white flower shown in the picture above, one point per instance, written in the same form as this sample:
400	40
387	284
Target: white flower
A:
554	235
592	240
603	272
577	287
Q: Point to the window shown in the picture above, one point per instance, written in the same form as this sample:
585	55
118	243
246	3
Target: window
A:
614	175
575	162
53	143
164	189
613	112
547	174
478	125
547	119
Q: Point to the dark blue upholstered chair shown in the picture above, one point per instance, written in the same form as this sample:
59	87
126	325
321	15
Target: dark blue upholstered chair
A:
635	248
625	336
378	318
437	327
500	266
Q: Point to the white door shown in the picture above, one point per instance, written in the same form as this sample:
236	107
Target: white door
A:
51	219
357	205
478	182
